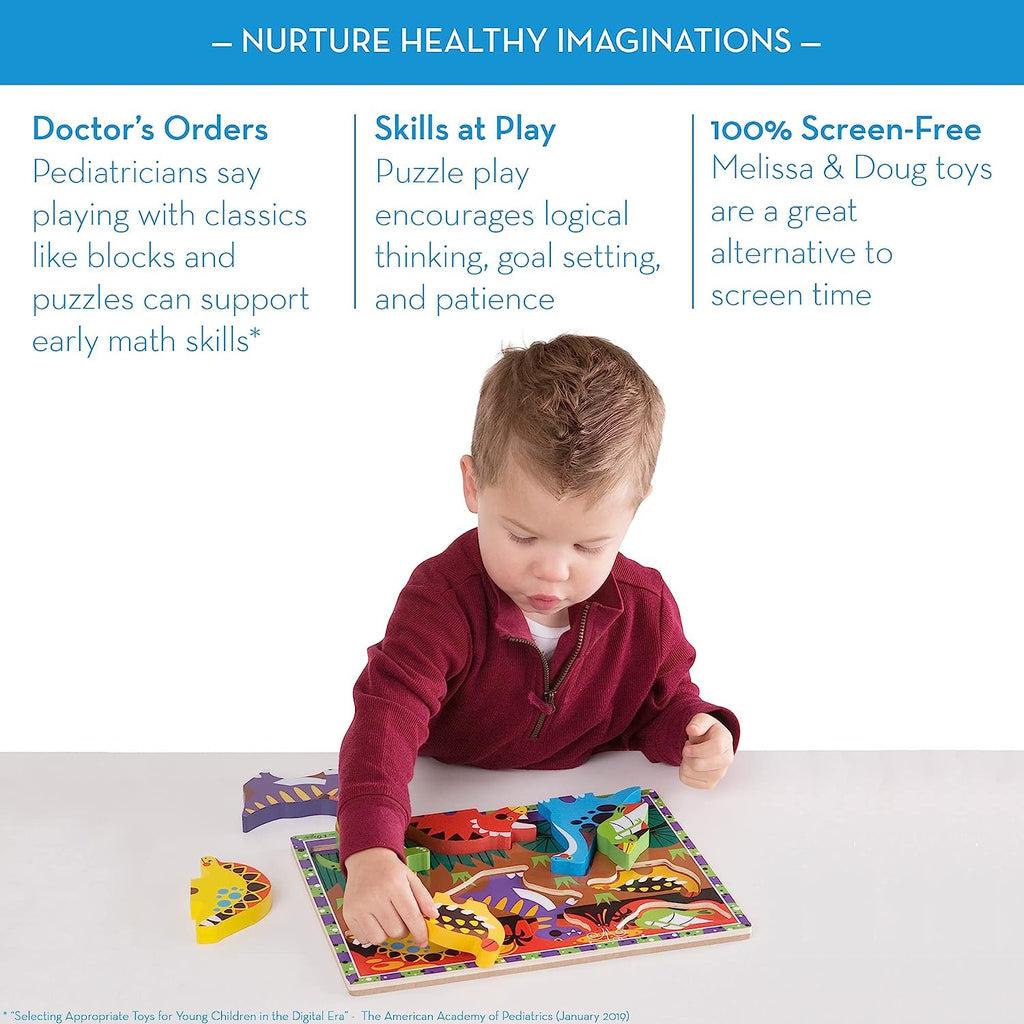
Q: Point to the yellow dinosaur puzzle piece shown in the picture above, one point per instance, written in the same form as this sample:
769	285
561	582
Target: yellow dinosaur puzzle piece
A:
227	897
468	926
649	878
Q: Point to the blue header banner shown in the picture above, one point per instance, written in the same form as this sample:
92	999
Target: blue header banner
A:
232	43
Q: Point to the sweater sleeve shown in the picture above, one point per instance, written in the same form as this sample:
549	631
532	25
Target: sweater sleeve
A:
659	729
402	687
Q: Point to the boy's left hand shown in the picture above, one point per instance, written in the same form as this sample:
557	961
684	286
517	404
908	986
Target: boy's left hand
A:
707	752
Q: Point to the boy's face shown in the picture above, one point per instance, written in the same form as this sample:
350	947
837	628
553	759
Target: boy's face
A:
545	553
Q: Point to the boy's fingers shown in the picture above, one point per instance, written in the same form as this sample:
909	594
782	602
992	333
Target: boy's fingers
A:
428	908
368	932
713	743
694	782
716	730
699	725
702	759
704	780
391	921
706	764
406	908
709	748
700	779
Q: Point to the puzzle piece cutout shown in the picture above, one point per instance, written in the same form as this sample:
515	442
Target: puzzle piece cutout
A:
267	797
468	926
574	819
227	897
470	830
623	837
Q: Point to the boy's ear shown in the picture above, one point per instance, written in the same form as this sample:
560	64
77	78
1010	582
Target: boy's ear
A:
469	488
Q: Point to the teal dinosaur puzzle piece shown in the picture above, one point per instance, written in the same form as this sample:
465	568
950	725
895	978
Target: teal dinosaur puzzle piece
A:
575	819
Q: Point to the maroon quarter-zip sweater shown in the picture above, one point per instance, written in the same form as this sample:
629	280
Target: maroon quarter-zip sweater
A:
458	677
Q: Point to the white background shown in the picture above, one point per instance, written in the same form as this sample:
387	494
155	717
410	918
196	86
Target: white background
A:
196	553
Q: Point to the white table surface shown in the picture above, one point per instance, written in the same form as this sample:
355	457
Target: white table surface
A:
881	886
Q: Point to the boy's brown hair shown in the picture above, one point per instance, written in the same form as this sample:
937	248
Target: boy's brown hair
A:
577	412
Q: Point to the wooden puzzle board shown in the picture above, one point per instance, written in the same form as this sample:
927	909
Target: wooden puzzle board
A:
671	897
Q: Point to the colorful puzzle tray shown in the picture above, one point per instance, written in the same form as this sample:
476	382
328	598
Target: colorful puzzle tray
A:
671	897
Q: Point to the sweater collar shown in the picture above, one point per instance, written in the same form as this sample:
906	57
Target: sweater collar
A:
509	620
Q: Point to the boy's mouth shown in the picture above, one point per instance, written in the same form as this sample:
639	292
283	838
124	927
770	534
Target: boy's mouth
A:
542	602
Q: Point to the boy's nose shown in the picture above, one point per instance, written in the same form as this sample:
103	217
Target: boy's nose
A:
551	570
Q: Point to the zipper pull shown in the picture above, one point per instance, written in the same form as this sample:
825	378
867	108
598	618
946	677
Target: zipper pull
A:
542	718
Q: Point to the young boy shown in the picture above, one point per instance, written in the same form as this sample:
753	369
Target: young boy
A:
530	642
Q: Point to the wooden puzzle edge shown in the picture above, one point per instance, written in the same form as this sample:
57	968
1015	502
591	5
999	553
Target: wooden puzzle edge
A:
587	956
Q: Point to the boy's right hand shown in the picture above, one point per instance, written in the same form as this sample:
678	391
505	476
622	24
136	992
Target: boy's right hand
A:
383	899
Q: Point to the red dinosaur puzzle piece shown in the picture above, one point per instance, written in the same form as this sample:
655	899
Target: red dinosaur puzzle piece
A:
470	830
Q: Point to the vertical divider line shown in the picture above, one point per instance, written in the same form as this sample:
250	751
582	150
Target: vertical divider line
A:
693	212
355	215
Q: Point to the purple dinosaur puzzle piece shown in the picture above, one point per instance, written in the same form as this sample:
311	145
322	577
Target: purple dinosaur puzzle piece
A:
268	797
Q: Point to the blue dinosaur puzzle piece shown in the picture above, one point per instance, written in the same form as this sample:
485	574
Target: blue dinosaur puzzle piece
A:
574	819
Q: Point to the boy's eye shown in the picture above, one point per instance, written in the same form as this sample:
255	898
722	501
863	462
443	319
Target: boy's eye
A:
581	548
